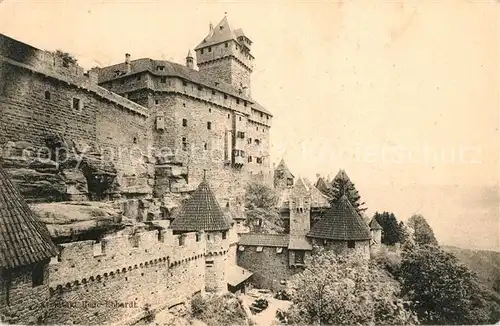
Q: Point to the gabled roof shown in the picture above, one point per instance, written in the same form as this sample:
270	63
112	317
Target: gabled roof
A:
264	240
341	222
318	199
300	188
220	33
374	225
282	167
201	212
322	185
24	239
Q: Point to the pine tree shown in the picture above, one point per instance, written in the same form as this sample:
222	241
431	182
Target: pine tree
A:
391	232
342	185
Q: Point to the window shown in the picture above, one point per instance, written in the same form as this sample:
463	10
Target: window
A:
351	244
156	101
261	115
237	101
163	80
184	122
299	257
259	249
245	103
226	45
198	237
259	160
257	141
200	88
213	92
184	144
239	119
209	263
240	134
224	235
249	159
202	51
181	240
37	275
209	49
160	68
228	116
279	250
184	83
76	104
209	110
139	77
209	125
205	146
134	140
249	140
225	96
47	95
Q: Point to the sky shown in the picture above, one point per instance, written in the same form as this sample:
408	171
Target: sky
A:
403	95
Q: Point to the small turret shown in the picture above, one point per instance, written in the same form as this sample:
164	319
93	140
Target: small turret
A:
189	60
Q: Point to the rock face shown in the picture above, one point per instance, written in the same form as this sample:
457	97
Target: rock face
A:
69	221
62	172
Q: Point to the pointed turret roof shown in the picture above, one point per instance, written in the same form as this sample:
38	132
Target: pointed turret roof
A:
284	168
189	55
374	225
220	33
322	186
341	222
24	239
201	212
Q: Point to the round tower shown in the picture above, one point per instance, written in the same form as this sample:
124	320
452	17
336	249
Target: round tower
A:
24	258
202	212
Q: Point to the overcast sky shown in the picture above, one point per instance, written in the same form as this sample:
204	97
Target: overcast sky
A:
401	94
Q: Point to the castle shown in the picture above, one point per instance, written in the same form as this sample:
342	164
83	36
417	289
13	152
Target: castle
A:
135	132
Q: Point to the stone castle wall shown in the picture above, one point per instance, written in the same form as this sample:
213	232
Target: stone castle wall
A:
42	100
23	303
112	281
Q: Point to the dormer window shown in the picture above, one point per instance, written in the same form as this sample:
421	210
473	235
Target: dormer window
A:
209	49
221	27
226	44
160	68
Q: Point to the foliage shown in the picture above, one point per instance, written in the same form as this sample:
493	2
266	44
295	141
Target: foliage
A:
262	215
67	58
422	231
338	290
342	185
442	290
214	309
388	258
391	233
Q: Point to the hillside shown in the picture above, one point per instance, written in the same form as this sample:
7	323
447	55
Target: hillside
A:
483	262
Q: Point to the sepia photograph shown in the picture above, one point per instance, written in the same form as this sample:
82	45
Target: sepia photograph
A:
249	162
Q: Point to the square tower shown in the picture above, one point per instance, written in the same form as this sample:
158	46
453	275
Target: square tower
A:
225	55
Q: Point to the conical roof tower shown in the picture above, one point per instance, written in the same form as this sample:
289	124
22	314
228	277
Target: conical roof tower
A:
201	212
24	239
341	222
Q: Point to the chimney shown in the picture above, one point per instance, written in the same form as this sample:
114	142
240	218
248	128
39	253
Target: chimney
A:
127	62
189	60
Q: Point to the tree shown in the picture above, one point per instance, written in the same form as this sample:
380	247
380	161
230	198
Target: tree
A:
391	232
422	231
441	290
339	290
342	185
262	215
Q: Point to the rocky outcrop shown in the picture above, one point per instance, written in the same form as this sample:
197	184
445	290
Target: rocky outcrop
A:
72	221
71	171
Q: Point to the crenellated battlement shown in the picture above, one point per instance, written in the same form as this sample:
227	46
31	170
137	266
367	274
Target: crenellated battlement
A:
86	261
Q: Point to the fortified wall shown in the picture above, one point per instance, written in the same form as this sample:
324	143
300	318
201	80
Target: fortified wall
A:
62	136
113	280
